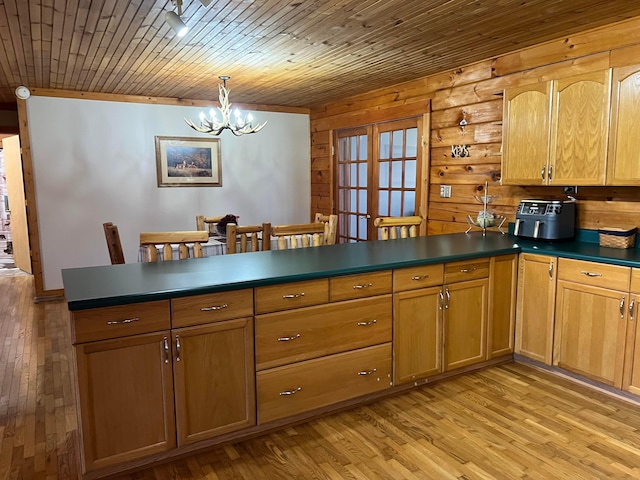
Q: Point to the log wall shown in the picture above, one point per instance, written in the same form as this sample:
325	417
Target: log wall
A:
477	90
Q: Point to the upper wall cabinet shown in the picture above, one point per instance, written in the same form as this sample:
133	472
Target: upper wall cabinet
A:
624	155
555	133
525	134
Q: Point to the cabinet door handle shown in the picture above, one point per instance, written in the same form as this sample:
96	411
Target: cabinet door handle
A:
420	277
590	274
290	392
294	295
550	173
544	169
177	348
367	372
446	305
367	324
441	300
365	285
165	342
123	322
289	339
468	270
550	270
622	307
214	308
631	306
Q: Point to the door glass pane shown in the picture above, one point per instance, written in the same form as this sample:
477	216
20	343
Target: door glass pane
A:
398	144
353	177
396	174
384	146
362	176
363	148
354	199
353	223
410	174
342	195
384	175
362	206
383	203
353	150
396	203
409	203
363	228
412	142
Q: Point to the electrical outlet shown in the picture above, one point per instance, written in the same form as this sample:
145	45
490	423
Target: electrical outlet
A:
569	190
445	191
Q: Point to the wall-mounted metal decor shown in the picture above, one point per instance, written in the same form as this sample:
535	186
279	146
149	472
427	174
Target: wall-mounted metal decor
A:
459	151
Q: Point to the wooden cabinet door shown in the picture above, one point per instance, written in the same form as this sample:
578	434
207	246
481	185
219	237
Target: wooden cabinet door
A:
535	306
214	377
502	305
126	404
631	381
526	134
623	167
590	331
580	129
417	334
465	323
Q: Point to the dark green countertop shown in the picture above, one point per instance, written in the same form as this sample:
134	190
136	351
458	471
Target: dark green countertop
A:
93	287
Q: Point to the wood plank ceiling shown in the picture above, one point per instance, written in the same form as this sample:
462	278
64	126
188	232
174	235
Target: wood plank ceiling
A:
278	52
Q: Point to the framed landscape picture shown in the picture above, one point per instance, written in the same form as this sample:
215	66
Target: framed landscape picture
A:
188	162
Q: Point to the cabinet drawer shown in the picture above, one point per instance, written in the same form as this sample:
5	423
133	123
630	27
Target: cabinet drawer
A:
211	307
297	388
120	321
296	335
635	280
417	277
612	277
466	270
285	296
358	286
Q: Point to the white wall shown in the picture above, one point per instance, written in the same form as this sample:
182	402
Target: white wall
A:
94	162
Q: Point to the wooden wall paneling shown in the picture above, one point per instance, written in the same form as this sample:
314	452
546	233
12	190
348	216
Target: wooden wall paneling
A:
490	111
623	57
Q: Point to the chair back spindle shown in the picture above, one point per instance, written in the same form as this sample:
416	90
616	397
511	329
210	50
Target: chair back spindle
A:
390	228
249	238
150	240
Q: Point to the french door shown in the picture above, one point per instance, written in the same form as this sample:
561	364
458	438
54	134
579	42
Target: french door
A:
378	173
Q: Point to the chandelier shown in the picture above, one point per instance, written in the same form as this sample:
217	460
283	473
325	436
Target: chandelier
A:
239	125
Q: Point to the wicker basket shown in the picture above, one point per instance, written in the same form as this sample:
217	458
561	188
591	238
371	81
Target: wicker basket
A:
617	237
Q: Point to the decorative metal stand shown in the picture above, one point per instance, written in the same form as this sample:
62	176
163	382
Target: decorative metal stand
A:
486	219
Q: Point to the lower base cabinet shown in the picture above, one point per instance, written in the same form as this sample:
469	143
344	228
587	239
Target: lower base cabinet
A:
302	386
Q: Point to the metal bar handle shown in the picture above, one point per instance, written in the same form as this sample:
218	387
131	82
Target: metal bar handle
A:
550	270
365	285
294	295
446	305
123	322
468	270
290	392
165	342
367	372
420	277
622	307
590	274
544	169
367	324
441	302
550	173
631	307
288	339
214	307
178	348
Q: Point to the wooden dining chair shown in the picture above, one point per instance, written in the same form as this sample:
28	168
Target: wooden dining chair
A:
150	240
248	238
330	229
299	235
207	224
392	227
113	243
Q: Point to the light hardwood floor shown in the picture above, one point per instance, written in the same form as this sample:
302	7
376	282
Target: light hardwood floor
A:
511	421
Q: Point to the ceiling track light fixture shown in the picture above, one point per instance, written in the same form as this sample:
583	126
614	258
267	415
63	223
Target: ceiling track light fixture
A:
239	126
174	21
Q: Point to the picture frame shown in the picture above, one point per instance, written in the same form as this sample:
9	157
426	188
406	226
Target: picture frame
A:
188	162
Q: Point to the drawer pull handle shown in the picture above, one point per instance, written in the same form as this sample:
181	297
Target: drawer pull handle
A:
420	277
290	392
214	308
367	372
590	274
123	322
288	339
468	270
631	306
622	307
367	324
366	285
178	347
165	342
294	295
550	270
